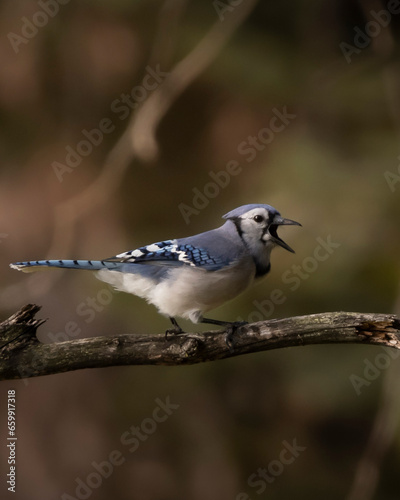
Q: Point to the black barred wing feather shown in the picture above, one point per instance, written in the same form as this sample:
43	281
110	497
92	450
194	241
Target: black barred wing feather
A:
170	253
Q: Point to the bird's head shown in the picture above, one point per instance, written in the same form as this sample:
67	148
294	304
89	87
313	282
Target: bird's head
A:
257	225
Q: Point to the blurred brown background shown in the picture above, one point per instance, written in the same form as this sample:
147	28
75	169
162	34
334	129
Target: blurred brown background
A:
333	166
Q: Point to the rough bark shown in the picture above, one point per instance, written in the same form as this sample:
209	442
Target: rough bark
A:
23	355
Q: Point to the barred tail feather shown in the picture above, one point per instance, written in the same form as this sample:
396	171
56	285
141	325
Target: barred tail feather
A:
41	265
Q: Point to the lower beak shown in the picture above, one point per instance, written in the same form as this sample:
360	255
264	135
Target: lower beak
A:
280	221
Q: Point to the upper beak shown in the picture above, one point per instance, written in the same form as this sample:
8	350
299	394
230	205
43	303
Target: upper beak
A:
280	221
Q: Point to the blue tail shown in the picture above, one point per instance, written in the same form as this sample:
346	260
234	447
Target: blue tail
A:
92	265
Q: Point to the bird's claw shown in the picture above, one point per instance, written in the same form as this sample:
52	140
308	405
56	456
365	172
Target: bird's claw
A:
230	331
173	332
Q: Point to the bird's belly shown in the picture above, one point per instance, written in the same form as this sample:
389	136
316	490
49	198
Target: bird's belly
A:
192	291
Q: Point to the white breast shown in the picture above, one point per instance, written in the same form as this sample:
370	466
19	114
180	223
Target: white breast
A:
192	291
188	291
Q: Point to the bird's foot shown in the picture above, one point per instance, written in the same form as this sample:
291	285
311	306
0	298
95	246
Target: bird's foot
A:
177	330
172	333
231	327
230	332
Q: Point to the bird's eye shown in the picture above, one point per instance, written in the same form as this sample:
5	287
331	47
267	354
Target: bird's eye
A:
258	218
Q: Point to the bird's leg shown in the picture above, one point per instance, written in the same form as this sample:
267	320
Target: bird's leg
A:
176	330
230	326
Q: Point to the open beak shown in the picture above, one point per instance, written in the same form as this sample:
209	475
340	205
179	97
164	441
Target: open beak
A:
273	228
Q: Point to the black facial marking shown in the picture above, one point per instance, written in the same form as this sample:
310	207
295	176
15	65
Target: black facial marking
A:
237	221
262	270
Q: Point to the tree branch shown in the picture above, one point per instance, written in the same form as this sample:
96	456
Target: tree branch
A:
23	355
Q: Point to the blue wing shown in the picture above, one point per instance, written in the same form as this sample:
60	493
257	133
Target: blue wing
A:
170	253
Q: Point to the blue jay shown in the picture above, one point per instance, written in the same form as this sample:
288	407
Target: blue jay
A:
189	276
